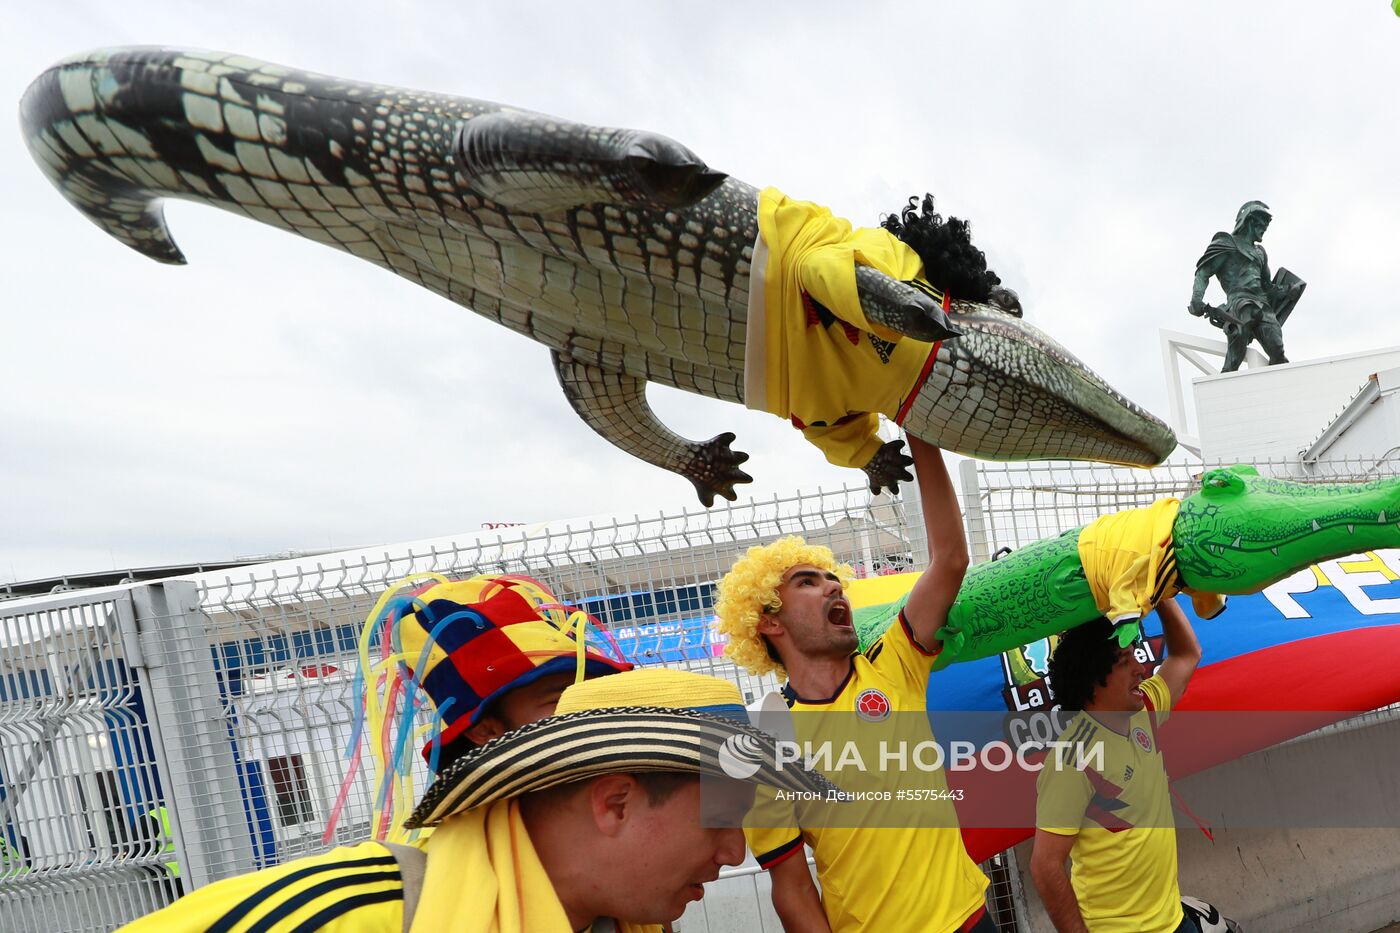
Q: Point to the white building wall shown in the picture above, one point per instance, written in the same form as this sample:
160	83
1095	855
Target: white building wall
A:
1277	412
1368	431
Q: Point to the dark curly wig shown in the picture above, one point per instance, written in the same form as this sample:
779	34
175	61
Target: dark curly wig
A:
950	260
1082	662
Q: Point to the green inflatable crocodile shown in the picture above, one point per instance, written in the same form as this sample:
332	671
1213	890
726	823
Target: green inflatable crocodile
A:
1239	534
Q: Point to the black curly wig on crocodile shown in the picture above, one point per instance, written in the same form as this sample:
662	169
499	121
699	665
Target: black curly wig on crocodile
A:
950	260
1082	662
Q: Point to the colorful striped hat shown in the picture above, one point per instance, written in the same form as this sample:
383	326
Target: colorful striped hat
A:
452	649
646	720
470	642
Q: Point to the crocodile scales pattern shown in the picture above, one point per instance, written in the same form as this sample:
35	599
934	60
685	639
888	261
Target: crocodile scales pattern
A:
1238	533
564	233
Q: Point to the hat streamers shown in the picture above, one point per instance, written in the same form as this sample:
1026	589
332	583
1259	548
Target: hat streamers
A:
371	712
389	681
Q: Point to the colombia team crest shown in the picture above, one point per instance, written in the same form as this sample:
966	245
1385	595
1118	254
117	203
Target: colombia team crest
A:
1141	738
872	705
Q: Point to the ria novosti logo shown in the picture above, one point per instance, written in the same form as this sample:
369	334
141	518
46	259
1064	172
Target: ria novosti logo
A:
741	756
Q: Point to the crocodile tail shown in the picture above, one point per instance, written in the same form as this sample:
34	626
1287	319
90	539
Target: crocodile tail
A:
71	117
121	130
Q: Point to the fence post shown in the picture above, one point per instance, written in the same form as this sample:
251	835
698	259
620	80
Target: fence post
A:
193	744
1020	911
978	541
915	531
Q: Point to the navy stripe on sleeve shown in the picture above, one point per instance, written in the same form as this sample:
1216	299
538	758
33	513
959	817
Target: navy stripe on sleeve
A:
241	910
292	904
342	907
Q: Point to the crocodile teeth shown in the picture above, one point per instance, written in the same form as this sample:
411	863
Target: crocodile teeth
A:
1351	529
1237	542
1316	526
1381	518
1274	550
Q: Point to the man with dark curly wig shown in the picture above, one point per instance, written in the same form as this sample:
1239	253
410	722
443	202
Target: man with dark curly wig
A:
1102	801
945	248
784	609
845	325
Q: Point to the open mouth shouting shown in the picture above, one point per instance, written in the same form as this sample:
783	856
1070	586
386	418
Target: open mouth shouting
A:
838	613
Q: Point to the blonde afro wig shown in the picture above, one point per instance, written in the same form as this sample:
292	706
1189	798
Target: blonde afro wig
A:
751	588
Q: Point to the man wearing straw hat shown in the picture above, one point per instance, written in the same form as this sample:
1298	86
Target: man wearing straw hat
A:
611	814
784	609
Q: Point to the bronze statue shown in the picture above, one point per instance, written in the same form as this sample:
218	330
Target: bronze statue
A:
1255	307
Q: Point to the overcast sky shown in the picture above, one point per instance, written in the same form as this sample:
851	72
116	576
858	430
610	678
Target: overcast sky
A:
278	394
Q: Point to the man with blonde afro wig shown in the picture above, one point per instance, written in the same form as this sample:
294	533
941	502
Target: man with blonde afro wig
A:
750	590
784	609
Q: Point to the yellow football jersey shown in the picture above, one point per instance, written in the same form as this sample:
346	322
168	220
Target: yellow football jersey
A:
879	877
812	354
1118	808
352	889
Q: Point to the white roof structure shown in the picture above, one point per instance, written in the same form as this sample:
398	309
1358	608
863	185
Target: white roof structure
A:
1293	416
1370	422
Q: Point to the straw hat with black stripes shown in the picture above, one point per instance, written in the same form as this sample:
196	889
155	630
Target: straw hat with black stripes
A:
640	721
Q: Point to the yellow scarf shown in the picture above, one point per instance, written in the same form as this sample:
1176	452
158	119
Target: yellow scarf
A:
484	876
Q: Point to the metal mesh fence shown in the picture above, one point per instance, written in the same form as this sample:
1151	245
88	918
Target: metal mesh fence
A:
79	776
228	698
283	637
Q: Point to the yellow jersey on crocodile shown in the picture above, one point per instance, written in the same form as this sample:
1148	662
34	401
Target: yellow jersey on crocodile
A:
811	355
1129	560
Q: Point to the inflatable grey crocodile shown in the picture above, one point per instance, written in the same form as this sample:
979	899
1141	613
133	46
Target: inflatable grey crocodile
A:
619	250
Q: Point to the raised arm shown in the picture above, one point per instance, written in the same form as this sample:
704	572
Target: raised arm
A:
1183	649
933	594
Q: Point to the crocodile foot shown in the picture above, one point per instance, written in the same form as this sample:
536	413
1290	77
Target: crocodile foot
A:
888	467
529	161
1006	300
667	173
902	308
713	468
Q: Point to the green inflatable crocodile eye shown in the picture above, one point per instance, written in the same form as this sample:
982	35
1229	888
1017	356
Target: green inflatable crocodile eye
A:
1227	481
